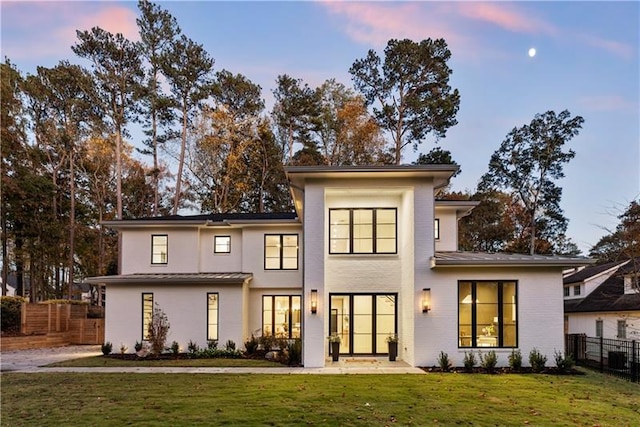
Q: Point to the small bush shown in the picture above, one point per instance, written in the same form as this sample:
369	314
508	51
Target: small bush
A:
123	348
158	330
489	361
106	348
230	345
138	346
212	344
537	360
515	360
251	345
444	362
294	352
175	348
564	363
192	348
469	361
267	342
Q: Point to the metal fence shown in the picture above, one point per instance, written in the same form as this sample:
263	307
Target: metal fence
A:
620	358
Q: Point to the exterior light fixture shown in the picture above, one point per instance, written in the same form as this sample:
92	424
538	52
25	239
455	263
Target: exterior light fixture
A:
426	300
314	301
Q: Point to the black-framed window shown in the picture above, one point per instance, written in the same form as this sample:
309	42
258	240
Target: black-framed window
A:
487	314
159	248
567	291
212	316
281	316
436	229
363	231
147	313
221	244
280	251
576	290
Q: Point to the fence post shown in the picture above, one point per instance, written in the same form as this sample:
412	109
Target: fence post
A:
601	354
23	318
635	374
576	356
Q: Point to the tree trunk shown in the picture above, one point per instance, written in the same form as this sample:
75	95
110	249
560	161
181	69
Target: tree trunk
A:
183	146
72	220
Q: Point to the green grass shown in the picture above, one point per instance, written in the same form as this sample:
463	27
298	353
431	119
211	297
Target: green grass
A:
366	400
108	362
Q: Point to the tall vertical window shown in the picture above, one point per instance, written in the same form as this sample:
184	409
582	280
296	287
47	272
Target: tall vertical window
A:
599	328
487	313
159	248
576	290
212	316
363	231
222	244
622	329
436	229
281	316
147	314
566	291
281	252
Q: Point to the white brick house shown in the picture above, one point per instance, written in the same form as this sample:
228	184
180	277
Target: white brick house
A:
370	248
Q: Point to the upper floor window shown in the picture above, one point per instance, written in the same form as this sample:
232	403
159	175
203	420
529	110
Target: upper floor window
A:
222	244
159	248
566	291
363	231
436	229
280	251
487	314
599	324
576	290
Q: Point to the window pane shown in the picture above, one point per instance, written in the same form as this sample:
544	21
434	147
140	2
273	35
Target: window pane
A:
212	316
339	231
147	314
267	315
159	249
362	246
295	317
290	241
362	216
385	216
222	244
281	319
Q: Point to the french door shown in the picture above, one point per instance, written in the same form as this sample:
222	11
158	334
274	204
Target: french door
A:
363	322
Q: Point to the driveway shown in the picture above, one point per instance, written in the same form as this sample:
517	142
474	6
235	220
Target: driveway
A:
30	360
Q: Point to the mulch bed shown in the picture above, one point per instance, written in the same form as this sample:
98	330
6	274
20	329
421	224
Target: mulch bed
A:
551	370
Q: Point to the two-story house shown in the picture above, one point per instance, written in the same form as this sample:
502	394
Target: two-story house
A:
368	252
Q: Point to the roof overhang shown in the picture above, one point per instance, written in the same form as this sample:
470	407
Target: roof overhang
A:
171	278
461	207
481	259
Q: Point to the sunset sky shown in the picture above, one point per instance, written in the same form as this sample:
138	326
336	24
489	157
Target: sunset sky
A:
587	61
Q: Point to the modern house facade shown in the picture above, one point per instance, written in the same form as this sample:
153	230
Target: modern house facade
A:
600	301
369	252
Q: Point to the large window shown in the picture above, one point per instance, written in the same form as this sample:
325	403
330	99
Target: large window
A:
159	248
281	252
487	314
212	316
362	231
147	314
281	316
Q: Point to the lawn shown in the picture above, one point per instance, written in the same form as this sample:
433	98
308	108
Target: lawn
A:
367	400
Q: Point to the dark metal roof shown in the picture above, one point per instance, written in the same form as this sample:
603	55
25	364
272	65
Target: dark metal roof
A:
591	271
171	278
484	259
208	219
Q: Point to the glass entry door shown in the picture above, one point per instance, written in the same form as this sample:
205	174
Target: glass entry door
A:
363	322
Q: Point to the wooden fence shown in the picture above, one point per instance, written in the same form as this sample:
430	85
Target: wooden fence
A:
54	325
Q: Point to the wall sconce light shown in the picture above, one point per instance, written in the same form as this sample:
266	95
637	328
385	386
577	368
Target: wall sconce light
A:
314	301
426	300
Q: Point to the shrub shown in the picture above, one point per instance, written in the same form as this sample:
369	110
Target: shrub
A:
444	362
267	342
106	348
212	344
489	361
537	360
469	361
515	360
175	348
123	348
294	352
230	345
138	346
158	330
192	348
251	345
564	363
10	314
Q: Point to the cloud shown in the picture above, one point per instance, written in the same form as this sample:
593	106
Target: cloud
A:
33	30
617	48
608	103
506	17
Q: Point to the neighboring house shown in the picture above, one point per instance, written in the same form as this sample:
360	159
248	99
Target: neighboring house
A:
599	301
369	252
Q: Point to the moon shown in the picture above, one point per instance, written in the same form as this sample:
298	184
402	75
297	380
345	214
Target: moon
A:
532	52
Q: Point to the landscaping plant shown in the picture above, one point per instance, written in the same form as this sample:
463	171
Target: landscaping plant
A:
515	359
564	362
469	361
444	362
489	361
106	348
537	360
